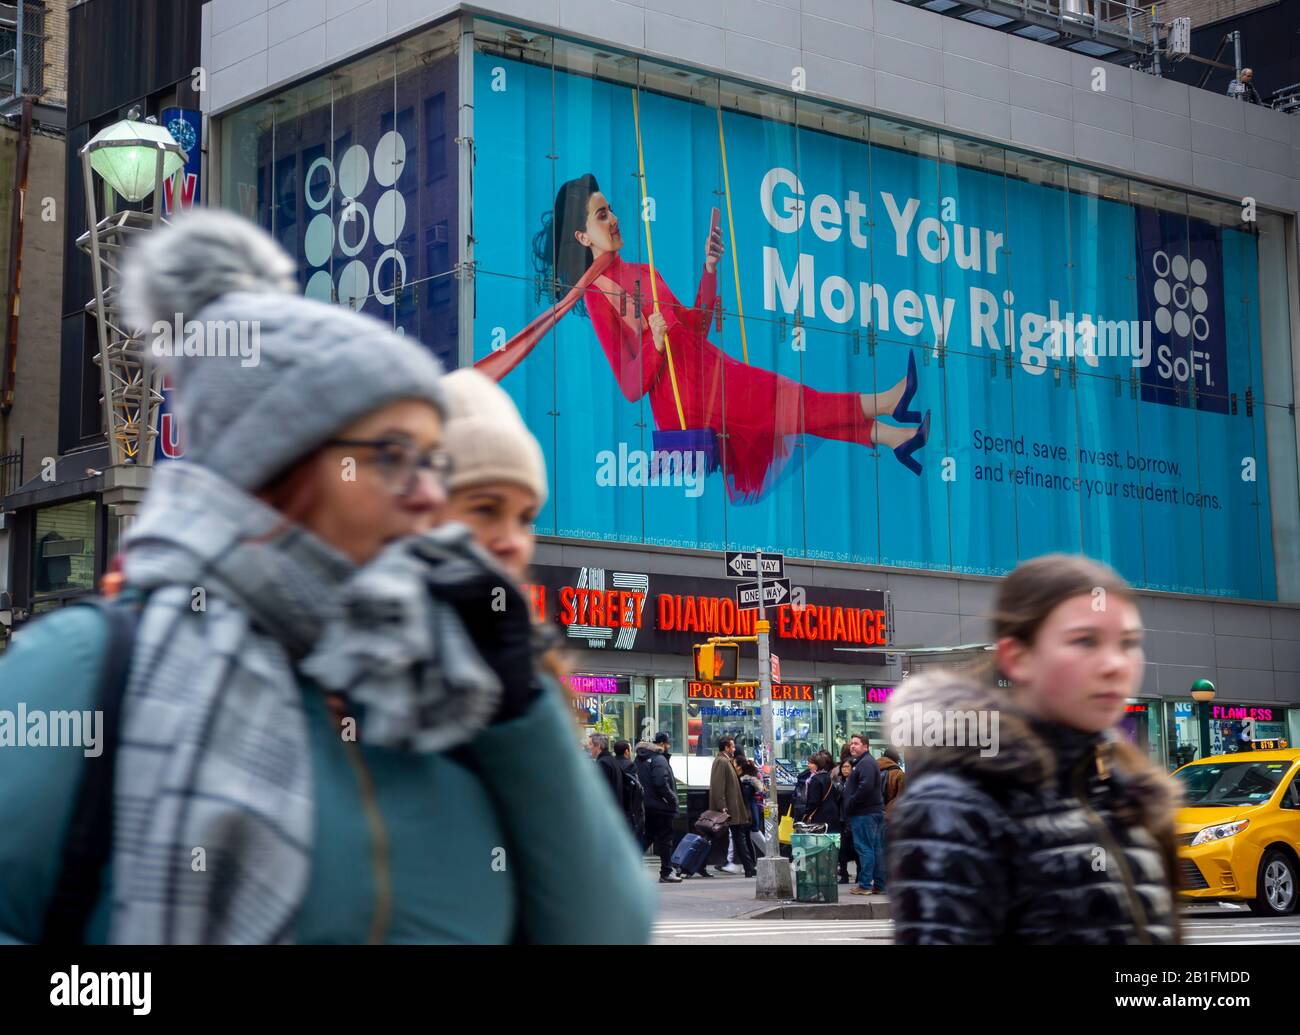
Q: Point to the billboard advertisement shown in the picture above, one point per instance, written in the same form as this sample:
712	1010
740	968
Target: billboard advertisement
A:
729	330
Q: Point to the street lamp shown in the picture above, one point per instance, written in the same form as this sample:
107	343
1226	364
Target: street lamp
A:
134	158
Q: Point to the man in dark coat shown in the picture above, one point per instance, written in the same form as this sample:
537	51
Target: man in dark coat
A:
660	789
633	793
598	747
725	794
866	815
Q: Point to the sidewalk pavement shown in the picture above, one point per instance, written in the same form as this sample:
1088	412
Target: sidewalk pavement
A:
727	897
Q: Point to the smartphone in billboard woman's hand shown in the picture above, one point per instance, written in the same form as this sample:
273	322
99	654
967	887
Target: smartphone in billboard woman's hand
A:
715	230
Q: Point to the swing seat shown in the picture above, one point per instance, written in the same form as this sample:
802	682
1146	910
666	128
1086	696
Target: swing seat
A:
703	440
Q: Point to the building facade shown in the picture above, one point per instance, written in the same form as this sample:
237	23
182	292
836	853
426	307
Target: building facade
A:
1092	271
122	55
890	184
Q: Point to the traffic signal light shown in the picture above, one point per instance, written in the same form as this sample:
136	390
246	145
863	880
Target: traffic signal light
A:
717	662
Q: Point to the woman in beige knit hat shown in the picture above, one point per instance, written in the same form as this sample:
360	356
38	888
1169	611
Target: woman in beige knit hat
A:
498	482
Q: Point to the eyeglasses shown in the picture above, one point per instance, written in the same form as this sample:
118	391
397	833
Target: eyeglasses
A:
400	463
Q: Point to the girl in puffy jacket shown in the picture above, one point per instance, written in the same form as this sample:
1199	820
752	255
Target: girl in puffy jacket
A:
1033	822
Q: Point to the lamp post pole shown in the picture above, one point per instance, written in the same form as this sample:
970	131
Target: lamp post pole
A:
134	159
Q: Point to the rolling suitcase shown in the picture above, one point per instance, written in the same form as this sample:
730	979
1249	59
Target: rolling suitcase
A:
692	853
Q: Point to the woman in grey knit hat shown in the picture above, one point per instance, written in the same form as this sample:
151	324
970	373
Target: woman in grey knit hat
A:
316	690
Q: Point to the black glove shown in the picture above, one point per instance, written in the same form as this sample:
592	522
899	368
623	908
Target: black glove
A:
494	613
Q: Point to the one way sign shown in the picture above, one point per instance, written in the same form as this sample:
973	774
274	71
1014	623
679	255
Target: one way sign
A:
744	564
775	592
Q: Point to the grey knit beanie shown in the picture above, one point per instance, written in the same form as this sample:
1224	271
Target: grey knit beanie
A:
303	369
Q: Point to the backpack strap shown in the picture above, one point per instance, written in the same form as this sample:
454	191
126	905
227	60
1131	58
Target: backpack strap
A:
89	839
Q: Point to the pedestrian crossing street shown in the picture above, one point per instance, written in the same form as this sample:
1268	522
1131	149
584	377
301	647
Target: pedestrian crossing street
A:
1239	930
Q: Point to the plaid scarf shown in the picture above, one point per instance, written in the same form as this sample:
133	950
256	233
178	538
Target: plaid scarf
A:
214	748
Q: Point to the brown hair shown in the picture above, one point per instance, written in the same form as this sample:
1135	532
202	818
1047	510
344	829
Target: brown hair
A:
1036	587
823	761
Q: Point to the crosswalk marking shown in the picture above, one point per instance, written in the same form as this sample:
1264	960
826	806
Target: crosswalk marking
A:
1242	931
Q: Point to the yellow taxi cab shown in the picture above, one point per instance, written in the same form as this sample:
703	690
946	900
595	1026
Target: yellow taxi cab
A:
1239	830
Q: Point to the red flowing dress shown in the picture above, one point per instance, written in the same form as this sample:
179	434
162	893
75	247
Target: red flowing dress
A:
754	412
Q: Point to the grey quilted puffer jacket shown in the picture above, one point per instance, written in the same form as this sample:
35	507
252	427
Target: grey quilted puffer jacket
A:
1060	837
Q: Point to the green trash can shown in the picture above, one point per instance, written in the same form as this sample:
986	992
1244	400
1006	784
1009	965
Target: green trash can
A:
815	860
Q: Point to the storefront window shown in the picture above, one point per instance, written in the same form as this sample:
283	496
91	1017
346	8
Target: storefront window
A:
711	718
799	724
1141	727
65	549
859	709
1185	733
669	713
613	705
1233	726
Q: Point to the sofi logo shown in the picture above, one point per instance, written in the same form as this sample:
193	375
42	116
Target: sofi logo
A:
1181	294
343	220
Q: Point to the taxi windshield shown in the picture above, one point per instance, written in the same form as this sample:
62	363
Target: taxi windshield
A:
1230	783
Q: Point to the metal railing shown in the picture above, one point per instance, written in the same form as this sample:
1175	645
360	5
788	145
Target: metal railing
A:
33	51
11	469
1107	21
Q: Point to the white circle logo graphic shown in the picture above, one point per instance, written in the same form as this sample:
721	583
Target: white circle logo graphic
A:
349	224
1180	308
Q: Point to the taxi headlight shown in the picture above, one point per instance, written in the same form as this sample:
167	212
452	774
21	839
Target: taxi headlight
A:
1218	833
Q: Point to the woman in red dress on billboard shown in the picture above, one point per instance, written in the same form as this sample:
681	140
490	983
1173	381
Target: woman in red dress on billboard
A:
764	411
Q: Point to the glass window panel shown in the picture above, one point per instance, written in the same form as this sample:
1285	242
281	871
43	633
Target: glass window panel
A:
854	712
1043	391
1104	287
64	554
906	210
685	185
416	164
1184	733
1166	458
304	185
1142	726
709	719
1223	306
977	401
362	102
247	146
601	355
799	728
1277	379
848	375
764	403
514	196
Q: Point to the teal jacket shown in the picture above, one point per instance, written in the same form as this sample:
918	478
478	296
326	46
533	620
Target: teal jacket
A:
523	844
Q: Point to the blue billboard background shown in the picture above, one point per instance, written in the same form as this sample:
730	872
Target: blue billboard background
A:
882	253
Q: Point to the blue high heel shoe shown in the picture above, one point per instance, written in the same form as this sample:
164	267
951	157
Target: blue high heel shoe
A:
901	413
905	451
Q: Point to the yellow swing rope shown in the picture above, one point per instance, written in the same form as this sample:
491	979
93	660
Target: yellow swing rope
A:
650	248
731	224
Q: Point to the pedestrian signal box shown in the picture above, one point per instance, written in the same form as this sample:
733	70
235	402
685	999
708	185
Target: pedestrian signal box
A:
717	662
